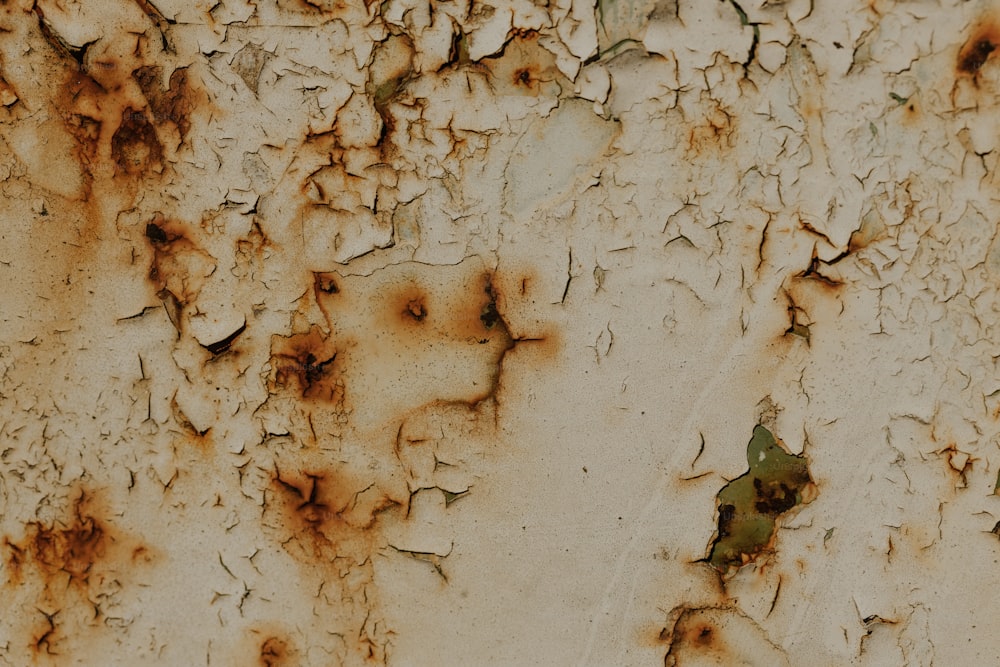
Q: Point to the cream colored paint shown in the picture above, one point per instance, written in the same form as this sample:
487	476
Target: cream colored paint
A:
650	196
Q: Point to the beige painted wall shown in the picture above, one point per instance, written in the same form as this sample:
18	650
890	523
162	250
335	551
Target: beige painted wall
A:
428	332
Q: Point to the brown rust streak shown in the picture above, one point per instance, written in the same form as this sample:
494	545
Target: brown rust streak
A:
307	362
61	549
59	566
178	267
123	123
277	651
978	48
320	506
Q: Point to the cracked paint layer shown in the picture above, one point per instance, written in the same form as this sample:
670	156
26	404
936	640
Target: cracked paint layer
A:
425	332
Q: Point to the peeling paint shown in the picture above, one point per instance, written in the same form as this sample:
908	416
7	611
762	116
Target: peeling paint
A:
370	333
750	505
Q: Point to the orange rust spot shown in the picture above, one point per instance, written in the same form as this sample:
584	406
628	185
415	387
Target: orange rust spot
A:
702	635
908	116
694	635
448	316
523	68
524	76
307	362
275	652
269	645
141	554
326	517
60	550
325	283
716	131
411	305
978	48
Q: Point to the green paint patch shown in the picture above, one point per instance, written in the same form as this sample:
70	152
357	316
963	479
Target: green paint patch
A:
750	504
800	330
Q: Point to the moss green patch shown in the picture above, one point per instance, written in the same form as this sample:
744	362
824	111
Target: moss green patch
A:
750	504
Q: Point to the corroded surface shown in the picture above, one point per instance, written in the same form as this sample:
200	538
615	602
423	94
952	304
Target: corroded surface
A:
750	505
343	333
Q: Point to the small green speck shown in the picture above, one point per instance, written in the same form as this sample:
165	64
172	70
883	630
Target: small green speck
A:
450	496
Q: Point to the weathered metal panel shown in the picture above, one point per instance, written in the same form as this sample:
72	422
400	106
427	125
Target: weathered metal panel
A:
487	333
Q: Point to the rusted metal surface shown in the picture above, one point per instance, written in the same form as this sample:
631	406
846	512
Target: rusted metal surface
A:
347	333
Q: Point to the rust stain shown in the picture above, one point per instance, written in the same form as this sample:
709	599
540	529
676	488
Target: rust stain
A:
134	146
329	521
978	48
523	68
60	567
414	324
276	652
716	131
66	550
120	125
439	335
179	267
327	514
307	362
174	104
910	117
694	635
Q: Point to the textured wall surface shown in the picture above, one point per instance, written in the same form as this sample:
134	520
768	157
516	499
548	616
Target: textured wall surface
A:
461	332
